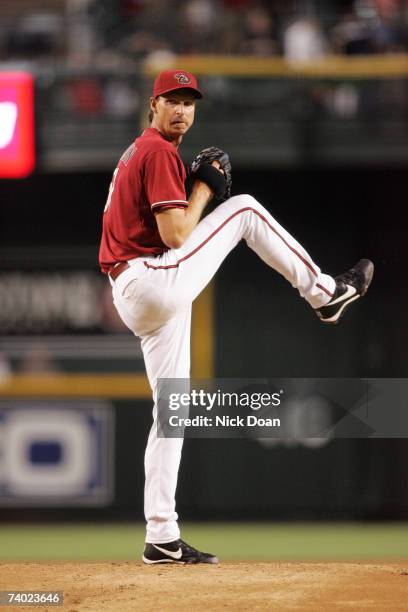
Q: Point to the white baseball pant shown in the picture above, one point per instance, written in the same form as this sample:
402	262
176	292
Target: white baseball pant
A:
154	298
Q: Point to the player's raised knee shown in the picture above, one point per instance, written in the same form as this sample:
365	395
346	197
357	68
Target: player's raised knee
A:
244	200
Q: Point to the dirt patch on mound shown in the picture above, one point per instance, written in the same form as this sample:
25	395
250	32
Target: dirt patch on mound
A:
123	587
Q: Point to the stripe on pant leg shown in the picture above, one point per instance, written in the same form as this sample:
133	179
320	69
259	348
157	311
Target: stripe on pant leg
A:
215	232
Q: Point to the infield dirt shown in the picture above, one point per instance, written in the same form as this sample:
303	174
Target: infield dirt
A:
229	586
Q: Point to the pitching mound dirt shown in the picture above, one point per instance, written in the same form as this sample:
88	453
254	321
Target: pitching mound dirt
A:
274	586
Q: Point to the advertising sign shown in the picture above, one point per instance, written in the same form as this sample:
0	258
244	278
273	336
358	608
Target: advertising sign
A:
17	145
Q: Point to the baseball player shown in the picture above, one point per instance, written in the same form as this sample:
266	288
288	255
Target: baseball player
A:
159	256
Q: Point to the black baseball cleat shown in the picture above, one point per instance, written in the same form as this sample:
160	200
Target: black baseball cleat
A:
175	552
349	287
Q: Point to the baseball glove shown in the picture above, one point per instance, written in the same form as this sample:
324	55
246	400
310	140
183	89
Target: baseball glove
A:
220	182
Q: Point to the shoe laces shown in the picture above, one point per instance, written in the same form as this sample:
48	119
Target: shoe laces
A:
347	277
188	548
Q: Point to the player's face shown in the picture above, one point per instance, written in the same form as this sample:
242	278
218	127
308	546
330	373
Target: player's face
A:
173	113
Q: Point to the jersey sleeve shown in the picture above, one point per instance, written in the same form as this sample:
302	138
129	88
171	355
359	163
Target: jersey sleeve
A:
164	181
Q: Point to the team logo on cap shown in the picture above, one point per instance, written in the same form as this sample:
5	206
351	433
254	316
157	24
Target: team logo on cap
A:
182	78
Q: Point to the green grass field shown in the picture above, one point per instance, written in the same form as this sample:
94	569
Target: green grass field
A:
235	541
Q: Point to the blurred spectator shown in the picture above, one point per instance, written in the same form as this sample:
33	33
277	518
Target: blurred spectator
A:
342	100
131	8
372	26
120	99
200	15
82	36
35	36
150	27
86	96
390	31
140	44
351	35
304	41
38	360
199	23
259	36
108	33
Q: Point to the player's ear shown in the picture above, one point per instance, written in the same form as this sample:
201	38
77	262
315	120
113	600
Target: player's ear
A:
153	104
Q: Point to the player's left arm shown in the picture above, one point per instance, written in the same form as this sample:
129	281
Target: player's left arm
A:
176	217
176	224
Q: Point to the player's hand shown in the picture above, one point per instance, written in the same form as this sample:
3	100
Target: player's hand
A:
204	167
217	165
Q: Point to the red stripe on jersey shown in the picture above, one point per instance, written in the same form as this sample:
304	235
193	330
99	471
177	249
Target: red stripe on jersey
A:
238	212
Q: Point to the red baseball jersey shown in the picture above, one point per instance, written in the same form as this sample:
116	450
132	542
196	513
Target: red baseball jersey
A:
149	178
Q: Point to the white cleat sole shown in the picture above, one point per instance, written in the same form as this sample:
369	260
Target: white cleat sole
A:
150	562
333	320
